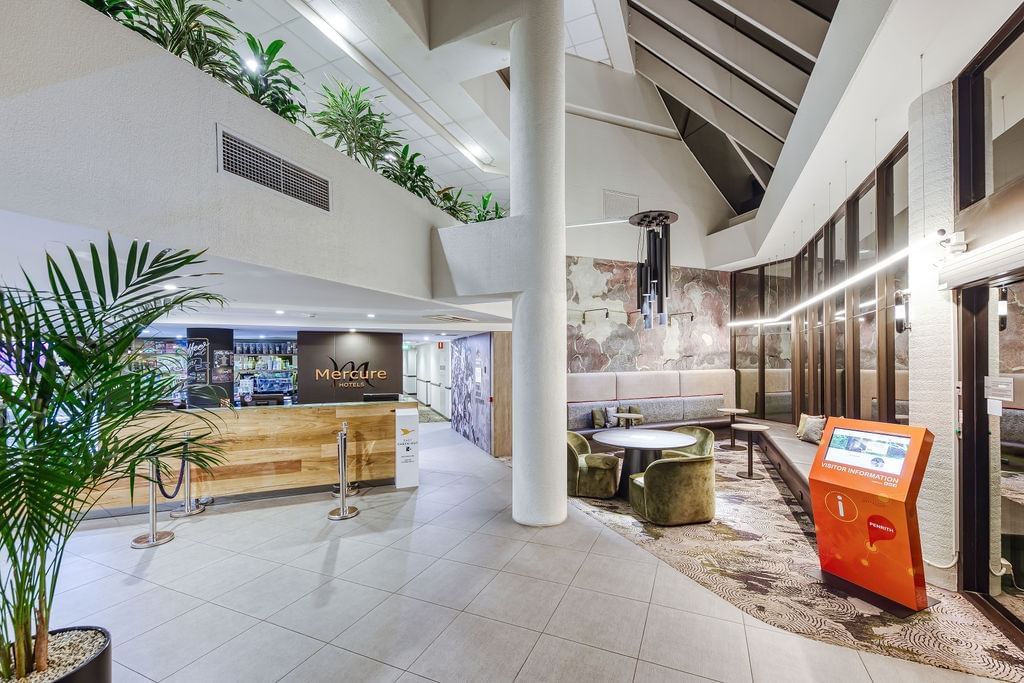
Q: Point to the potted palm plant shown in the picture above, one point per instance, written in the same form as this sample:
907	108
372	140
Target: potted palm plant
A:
76	420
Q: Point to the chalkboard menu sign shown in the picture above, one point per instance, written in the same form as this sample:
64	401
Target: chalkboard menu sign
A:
197	362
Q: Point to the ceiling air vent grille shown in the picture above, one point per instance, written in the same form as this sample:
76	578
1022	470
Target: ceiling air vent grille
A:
620	204
252	163
449	318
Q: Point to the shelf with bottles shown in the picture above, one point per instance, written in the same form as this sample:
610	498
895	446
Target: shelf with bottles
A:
246	363
266	348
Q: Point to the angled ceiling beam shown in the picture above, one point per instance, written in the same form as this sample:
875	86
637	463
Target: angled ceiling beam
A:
716	79
756	62
756	170
784	20
713	110
613	24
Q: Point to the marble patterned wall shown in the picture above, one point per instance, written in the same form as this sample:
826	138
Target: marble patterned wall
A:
613	344
1011	340
471	389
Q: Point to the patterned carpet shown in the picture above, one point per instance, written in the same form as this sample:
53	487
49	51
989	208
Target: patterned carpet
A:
759	554
430	415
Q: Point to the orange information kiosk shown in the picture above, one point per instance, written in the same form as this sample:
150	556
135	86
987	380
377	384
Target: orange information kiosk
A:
864	484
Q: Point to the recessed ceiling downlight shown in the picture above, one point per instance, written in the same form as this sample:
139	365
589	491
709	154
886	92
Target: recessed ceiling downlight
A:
371	315
279	312
170	288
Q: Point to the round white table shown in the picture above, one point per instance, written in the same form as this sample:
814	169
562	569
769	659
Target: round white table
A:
642	447
732	413
627	419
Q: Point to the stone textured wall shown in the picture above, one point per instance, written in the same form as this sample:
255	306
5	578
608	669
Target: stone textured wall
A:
618	343
932	341
1011	340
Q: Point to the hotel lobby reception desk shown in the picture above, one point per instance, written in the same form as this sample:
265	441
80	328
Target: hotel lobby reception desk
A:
277	448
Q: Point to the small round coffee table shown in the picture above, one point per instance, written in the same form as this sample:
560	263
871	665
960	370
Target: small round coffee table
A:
732	413
627	419
750	428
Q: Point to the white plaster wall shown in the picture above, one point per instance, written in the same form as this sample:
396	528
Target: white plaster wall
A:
433	378
662	172
102	128
933	351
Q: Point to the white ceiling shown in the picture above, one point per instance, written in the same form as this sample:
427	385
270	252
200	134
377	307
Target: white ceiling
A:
254	293
920	45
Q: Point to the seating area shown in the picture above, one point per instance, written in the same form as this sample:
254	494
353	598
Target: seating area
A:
665	398
685	401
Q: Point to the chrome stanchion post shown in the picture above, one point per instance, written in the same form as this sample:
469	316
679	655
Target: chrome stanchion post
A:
344	510
153	537
189	506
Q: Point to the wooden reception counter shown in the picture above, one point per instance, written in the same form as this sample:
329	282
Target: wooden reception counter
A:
277	448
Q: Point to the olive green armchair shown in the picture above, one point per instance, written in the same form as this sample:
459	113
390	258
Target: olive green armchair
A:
674	491
590	475
705	442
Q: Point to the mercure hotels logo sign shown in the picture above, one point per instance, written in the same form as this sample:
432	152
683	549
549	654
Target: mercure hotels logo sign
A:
349	374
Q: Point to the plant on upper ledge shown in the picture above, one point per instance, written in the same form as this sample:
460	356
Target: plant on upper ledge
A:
205	37
405	170
122	10
487	211
191	30
349	119
452	203
266	79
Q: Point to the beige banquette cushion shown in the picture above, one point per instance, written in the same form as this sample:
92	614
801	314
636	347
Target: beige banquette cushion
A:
617	386
590	386
646	384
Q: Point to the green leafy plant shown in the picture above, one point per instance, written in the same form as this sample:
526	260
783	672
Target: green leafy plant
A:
487	210
78	416
267	79
404	169
121	10
452	203
349	119
191	30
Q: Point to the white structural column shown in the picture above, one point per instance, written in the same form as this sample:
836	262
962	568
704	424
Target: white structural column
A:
933	353
539	311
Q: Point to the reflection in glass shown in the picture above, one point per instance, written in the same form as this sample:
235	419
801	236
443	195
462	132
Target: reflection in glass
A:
747	339
1006	115
1008	440
900	225
867	245
778	343
867	356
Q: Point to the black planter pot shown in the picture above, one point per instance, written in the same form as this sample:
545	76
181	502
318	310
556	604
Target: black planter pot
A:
96	669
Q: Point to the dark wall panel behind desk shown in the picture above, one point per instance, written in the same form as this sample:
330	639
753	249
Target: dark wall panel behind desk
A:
375	357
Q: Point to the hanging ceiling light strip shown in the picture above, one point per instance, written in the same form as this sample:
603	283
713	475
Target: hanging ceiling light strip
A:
654	273
834	289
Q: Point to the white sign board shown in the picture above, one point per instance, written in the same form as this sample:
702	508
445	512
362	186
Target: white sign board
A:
999	388
407	448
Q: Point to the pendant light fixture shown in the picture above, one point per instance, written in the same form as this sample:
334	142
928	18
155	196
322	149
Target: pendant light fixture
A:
654	272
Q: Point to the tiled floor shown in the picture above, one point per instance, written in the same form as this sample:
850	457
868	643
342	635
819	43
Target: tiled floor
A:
436	584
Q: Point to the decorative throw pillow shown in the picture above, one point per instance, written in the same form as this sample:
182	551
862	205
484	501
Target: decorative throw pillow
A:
803	423
813	429
636	411
598	415
609	416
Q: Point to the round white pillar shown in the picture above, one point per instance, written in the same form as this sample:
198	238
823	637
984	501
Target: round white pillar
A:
539	312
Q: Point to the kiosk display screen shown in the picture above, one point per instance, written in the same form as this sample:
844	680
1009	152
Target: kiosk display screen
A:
868	450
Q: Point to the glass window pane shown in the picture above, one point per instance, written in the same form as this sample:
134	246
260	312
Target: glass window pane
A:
839	335
839	264
1006	104
778	345
867	244
867	358
902	338
748	341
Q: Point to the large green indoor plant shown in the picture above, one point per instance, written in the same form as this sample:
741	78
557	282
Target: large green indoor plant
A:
269	79
196	31
77	417
349	119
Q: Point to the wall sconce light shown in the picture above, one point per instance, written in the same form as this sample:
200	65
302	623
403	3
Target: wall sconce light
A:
689	313
901	311
591	310
1004	306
